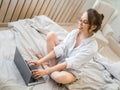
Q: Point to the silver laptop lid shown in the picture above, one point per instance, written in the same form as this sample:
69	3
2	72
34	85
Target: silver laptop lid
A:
22	67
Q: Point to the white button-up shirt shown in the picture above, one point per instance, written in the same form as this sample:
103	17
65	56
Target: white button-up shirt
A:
76	57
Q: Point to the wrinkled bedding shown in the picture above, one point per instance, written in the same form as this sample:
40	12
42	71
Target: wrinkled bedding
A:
30	35
96	75
27	38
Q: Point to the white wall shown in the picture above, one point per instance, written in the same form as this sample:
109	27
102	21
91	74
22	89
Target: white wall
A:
116	23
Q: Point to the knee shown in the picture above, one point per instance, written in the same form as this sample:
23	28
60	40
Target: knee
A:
51	36
56	77
60	78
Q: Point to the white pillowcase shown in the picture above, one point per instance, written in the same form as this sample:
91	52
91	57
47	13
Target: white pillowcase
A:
113	68
102	41
107	31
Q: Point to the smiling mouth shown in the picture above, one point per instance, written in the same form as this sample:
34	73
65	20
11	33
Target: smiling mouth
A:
80	27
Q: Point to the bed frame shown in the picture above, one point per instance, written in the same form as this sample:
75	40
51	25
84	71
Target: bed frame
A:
61	11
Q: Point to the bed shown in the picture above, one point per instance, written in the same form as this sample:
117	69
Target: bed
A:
26	40
30	34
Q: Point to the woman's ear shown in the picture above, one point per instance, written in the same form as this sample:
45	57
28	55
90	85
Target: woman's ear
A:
93	27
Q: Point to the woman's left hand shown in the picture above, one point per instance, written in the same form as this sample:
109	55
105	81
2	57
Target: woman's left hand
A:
37	73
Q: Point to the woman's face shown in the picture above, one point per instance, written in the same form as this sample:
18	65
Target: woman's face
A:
83	22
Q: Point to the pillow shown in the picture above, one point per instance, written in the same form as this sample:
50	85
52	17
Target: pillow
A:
107	31
113	68
102	41
102	59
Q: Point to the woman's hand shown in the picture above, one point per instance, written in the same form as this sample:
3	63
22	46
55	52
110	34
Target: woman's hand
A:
34	62
37	73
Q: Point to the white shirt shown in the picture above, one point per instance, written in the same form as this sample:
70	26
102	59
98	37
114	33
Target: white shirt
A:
76	57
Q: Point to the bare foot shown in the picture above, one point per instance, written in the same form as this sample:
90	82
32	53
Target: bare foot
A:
39	56
44	65
36	54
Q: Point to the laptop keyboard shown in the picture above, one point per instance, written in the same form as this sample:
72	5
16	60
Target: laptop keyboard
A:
31	67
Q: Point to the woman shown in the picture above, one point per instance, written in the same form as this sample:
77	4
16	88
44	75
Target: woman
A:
79	47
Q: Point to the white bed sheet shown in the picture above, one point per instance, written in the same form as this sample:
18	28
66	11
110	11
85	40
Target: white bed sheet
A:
26	37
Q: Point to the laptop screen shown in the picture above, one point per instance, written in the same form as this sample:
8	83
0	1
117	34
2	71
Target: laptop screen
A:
22	66
25	69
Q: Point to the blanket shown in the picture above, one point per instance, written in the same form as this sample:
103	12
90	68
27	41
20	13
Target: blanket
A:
96	75
28	36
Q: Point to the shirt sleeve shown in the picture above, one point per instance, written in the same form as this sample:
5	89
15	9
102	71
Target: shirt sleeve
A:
63	46
84	55
59	50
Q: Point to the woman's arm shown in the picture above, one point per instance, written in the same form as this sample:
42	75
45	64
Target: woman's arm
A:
48	57
37	73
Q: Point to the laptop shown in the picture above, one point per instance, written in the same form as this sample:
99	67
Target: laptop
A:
25	70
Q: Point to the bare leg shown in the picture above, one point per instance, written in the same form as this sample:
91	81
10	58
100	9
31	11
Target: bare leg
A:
63	77
52	41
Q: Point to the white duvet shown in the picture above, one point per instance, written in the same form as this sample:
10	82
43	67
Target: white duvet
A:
27	35
30	34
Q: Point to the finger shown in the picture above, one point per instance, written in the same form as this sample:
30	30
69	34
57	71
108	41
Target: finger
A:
36	75
30	61
35	70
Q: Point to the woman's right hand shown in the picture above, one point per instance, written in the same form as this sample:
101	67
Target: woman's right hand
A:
34	62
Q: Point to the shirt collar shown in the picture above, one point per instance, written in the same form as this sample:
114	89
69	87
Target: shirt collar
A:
87	40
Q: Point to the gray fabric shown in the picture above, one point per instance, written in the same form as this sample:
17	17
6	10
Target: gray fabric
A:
26	38
94	76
